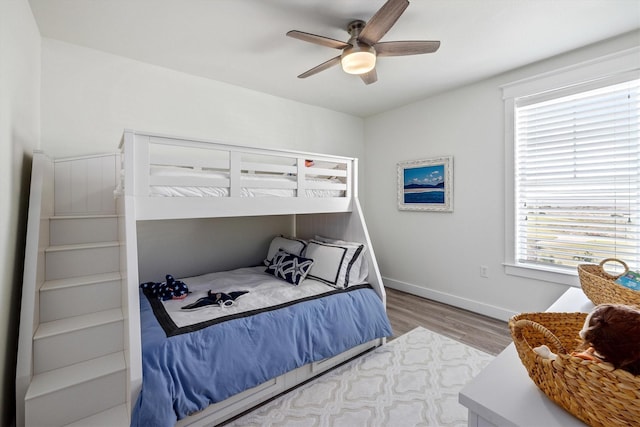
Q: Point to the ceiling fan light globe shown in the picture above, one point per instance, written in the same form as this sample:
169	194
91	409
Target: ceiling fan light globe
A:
358	59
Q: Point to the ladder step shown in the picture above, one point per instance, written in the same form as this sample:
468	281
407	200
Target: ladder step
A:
81	246
64	230
79	295
72	282
72	393
84	259
76	339
113	417
58	379
77	323
89	216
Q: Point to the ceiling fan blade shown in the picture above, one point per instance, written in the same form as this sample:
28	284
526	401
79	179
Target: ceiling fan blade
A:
406	48
321	40
370	77
315	70
382	21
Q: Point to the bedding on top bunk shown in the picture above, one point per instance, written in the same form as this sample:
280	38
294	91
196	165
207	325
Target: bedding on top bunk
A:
205	191
196	358
214	190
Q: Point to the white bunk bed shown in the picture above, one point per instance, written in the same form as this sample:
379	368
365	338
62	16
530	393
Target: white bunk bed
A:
168	178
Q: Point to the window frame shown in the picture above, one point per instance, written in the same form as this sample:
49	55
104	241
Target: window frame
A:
584	76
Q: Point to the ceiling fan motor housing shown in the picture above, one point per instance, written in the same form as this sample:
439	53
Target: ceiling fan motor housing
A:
359	58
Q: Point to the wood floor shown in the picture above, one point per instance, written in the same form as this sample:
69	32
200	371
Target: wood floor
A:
407	311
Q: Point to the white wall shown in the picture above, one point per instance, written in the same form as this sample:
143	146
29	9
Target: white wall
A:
438	255
185	248
89	97
19	136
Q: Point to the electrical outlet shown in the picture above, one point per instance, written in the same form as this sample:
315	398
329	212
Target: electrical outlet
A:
484	271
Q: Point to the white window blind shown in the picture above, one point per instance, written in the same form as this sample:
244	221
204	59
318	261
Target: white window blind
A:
577	177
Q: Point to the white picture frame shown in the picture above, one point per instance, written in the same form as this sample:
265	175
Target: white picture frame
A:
426	185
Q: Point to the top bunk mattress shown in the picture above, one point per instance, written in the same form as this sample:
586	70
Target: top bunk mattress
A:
217	184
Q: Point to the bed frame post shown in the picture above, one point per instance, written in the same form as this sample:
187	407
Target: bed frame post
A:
141	152
135	151
127	232
235	167
352	185
375	278
301	178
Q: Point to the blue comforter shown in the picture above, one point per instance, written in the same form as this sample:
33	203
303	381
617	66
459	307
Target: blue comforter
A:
187	372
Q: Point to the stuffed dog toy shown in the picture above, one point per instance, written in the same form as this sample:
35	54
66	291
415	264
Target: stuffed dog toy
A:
171	289
611	333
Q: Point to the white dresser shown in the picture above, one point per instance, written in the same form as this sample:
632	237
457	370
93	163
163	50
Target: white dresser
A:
503	395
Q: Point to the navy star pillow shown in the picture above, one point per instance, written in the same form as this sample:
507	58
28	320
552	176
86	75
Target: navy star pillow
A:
288	267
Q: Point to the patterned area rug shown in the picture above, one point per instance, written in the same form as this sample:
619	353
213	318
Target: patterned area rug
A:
413	380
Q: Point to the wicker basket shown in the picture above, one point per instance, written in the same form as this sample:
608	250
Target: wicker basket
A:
593	392
600	287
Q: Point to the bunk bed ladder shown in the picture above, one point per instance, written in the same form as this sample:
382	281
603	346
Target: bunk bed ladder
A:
77	374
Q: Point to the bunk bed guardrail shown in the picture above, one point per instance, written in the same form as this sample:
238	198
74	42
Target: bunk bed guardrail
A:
157	170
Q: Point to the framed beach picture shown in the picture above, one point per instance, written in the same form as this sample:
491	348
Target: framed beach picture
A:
426	185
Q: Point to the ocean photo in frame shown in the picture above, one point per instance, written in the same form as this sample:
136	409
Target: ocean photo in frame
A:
426	185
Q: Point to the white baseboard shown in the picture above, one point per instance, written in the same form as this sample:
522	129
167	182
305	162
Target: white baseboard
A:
453	300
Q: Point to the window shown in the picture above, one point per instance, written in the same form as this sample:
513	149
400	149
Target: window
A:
575	175
578	177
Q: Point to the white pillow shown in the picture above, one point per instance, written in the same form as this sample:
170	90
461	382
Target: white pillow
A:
289	244
360	269
326	239
333	264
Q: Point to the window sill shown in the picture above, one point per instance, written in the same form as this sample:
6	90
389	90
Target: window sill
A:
544	274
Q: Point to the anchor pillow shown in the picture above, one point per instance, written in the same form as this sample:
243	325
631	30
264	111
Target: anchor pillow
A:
289	267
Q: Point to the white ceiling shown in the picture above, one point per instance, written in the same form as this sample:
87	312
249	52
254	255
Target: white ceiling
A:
243	42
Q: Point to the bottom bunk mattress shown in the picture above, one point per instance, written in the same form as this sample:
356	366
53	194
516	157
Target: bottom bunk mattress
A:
192	359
